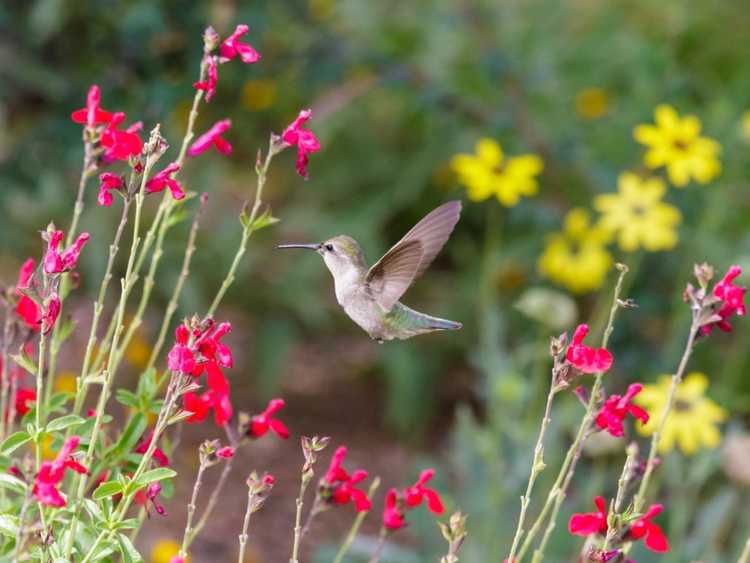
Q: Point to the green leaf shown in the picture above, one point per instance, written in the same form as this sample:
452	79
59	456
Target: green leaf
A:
25	362
130	436
127	398
64	422
8	525
127	549
66	329
93	509
58	400
265	220
107	489
14	441
155	475
147	383
8	481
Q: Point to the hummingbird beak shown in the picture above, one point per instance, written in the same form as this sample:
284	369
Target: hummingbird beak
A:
314	246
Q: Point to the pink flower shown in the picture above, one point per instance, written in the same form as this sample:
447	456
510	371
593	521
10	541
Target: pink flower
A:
393	516
213	138
56	262
51	312
732	298
177	559
92	115
655	539
108	182
212	76
121	145
149	494
51	474
163	180
339	486
303	139
225	452
615	409
231	47
591	522
414	495
585	359
261	423
159	455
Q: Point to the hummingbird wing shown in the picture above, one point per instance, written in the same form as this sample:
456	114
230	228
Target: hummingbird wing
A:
430	233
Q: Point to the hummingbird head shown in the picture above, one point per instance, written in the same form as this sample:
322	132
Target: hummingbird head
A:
342	254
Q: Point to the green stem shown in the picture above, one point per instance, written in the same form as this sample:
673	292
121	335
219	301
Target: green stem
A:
380	546
640	496
114	248
557	492
347	543
304	482
126	284
38	414
622	483
537	466
247	227
4	383
191	508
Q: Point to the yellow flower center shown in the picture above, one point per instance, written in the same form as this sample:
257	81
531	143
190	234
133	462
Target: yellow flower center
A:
681	405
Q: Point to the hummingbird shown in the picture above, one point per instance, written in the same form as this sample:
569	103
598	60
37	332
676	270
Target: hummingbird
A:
371	296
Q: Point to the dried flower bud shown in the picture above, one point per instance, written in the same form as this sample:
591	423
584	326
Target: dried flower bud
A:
207	452
211	39
558	344
704	273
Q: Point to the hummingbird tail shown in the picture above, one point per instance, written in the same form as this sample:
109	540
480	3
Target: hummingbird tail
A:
444	324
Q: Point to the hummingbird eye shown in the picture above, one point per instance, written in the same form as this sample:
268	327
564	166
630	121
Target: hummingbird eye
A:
329	247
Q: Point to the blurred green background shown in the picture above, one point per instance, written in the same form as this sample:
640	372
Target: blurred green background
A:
398	88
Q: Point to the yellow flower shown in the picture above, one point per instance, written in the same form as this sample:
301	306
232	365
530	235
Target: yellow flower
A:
592	103
258	94
577	257
637	214
693	421
164	550
489	172
66	382
48	454
675	143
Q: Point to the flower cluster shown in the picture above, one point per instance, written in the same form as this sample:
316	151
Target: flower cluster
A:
337	487
616	408
731	301
584	358
303	139
198	349
56	262
397	503
52	473
643	527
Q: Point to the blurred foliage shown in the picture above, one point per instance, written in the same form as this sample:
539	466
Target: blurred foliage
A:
398	88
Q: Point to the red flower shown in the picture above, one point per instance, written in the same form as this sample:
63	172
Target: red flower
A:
216	398
56	262
51	474
194	351
615	409
590	522
163	180
149	494
212	76
24	396
305	140
733	301
414	495
213	138
393	517
121	145
92	115
26	308
225	452
107	183
587	360
159	455
231	47
644	527
339	485
261	423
